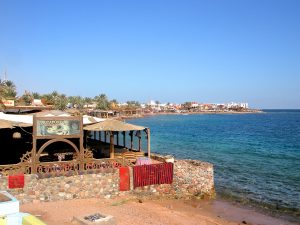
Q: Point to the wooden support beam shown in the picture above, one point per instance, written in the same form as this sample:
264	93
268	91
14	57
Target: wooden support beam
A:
81	148
148	141
112	146
118	138
140	143
131	140
124	139
34	143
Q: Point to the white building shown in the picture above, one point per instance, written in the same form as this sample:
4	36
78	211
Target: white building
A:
151	103
236	105
244	105
122	104
194	104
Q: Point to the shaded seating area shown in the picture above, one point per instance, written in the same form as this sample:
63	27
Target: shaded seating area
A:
106	139
37	143
15	141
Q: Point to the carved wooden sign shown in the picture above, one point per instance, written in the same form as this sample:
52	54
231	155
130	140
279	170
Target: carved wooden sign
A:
57	127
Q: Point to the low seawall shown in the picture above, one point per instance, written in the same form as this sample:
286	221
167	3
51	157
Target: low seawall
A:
102	185
191	179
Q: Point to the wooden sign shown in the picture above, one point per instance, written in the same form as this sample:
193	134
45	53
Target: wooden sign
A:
8	102
57	127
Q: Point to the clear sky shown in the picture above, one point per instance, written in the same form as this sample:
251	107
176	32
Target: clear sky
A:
166	50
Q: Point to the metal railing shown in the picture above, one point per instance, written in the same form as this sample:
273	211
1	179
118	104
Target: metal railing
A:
71	167
20	168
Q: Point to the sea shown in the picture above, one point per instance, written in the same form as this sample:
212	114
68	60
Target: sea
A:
256	156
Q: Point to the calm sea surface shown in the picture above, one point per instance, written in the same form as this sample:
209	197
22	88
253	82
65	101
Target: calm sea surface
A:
256	156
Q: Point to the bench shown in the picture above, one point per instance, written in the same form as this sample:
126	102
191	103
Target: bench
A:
130	156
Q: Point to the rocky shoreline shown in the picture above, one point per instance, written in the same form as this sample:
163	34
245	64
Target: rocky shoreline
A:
136	116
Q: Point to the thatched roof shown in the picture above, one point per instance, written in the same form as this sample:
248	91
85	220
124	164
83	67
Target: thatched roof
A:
73	112
113	125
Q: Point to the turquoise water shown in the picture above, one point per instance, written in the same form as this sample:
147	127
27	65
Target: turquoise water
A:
256	156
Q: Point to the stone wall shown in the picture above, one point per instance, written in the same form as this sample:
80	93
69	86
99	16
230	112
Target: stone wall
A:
191	179
102	185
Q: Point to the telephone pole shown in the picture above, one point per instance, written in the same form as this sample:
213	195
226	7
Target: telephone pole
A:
5	75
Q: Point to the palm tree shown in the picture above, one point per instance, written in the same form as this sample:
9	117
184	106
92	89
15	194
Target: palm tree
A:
87	101
76	101
113	104
133	104
2	91
79	102
1	95
102	102
47	99
60	101
7	89
71	100
27	98
36	95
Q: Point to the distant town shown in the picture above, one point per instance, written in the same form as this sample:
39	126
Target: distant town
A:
193	106
103	107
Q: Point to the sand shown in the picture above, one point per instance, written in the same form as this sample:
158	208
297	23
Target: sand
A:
133	211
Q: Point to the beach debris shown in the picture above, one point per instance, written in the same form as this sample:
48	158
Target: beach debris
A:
95	219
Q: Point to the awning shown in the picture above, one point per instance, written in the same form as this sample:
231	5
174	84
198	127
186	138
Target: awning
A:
5	124
11	124
112	125
27	120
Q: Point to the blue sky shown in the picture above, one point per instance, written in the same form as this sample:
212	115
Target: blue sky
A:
171	51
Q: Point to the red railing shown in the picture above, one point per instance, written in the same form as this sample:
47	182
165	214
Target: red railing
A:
152	174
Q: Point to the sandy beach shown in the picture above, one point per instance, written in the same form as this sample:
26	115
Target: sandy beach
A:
129	211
